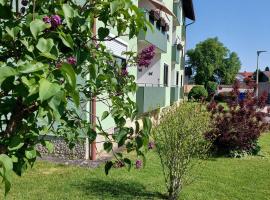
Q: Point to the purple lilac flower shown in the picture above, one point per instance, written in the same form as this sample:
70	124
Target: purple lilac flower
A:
56	20
124	72
47	19
151	145
58	65
119	164
72	60
138	164
146	56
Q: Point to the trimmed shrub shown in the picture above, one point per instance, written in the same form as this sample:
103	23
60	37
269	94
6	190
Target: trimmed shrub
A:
180	142
211	88
197	93
237	128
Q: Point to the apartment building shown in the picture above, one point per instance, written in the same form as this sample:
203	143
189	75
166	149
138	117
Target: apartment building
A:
160	84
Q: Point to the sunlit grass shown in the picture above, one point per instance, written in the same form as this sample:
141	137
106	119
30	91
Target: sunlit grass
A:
216	179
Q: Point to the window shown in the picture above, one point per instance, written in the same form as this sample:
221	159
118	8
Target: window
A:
120	61
177	78
165	78
181	80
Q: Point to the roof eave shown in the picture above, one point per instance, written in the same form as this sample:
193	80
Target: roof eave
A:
189	9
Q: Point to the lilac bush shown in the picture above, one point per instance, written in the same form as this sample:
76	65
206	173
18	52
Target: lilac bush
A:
145	56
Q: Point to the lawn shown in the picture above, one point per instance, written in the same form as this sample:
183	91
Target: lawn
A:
216	179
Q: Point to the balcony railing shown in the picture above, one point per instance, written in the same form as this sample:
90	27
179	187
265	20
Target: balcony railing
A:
182	94
155	36
175	90
149	98
175	55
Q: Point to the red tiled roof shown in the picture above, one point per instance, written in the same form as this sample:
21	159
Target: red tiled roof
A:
246	74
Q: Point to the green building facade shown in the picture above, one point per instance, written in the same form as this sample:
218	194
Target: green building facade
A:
161	84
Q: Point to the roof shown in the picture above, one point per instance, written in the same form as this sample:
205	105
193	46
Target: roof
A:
246	74
241	86
267	73
189	9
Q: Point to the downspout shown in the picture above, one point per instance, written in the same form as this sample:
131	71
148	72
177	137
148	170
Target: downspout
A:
93	109
186	25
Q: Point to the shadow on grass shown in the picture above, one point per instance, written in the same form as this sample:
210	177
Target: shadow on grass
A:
107	189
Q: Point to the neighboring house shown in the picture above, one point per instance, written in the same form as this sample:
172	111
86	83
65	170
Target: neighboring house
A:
242	76
228	88
264	84
264	76
161	84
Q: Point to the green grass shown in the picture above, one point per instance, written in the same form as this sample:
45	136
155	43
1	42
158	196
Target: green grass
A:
216	179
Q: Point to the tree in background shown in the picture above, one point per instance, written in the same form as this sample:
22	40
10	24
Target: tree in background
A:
212	61
267	69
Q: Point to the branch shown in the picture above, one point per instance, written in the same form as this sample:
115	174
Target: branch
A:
109	39
19	112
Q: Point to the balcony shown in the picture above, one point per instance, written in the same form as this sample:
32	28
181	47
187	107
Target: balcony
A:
155	36
149	98
177	13
175	55
175	90
182	95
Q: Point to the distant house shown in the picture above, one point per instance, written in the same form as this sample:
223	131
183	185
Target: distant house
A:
264	76
242	76
228	88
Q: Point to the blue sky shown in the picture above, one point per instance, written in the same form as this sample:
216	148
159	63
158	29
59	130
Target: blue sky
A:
241	25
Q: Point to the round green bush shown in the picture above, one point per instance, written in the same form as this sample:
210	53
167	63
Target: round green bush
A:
211	87
197	93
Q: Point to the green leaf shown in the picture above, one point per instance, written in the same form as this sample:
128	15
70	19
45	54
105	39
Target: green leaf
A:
48	55
47	89
67	40
31	67
13	32
103	33
45	45
105	115
69	74
69	14
3	2
76	97
92	135
6	162
31	154
107	146
128	162
55	103
49	146
6	167
31	85
15	143
147	125
116	5
93	71
139	141
29	47
121	135
108	166
6	72
37	26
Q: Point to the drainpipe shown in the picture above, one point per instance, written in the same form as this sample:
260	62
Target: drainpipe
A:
93	110
186	25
